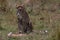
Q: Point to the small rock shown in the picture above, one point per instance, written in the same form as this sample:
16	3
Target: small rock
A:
46	31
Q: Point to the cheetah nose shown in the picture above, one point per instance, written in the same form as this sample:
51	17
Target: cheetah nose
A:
19	8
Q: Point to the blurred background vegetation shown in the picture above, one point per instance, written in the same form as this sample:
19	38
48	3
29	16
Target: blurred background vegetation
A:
44	14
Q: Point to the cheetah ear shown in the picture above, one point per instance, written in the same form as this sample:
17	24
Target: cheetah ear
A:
17	4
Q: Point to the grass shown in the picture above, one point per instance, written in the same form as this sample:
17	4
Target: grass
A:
50	21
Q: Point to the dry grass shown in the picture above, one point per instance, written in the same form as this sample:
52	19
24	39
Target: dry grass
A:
49	10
